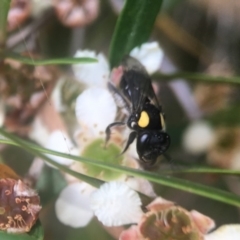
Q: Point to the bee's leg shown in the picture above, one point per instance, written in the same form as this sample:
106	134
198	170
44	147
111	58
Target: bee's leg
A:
130	140
171	161
108	130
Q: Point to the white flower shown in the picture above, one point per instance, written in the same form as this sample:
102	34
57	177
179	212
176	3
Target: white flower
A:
72	206
92	74
198	137
116	204
141	185
59	141
97	74
95	109
150	56
226	232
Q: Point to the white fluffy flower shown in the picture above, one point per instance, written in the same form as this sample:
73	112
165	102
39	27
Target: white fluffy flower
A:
95	108
92	74
141	185
97	74
59	141
198	137
150	55
72	206
116	204
226	232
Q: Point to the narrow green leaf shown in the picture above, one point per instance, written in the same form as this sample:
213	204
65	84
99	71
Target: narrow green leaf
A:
10	236
57	61
181	184
36	233
198	77
76	158
37	152
4	8
208	170
80	159
133	28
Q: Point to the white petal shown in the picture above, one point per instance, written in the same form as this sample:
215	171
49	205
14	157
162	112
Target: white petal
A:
39	132
141	185
150	55
92	74
72	206
198	137
59	141
116	204
95	108
226	232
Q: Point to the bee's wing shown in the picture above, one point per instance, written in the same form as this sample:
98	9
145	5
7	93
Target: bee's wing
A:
152	96
120	100
139	83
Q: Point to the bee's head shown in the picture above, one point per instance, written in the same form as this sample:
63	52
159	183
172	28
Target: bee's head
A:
152	144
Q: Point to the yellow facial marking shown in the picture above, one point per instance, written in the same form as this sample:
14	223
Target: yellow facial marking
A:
143	120
162	122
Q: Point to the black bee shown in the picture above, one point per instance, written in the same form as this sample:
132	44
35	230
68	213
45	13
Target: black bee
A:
145	117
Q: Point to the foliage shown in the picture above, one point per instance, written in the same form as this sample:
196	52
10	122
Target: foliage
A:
134	26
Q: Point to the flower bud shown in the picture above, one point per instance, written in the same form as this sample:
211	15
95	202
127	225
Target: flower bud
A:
19	206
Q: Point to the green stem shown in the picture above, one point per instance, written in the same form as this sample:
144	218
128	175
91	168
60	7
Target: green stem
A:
35	151
18	142
4	8
180	184
196	77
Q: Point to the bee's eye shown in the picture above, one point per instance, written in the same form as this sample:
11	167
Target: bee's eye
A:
143	120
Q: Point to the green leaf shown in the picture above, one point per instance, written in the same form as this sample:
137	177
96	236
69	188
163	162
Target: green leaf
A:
36	233
57	61
49	184
38	151
198	169
208	170
133	28
198	77
181	184
4	8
